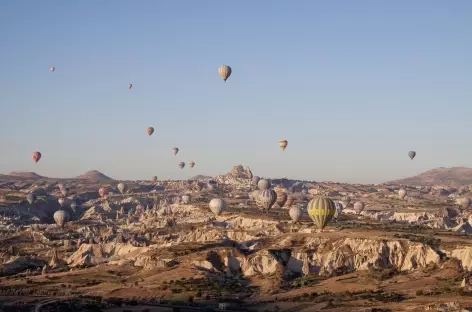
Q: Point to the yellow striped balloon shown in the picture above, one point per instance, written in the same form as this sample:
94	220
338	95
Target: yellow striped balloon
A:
224	71
321	210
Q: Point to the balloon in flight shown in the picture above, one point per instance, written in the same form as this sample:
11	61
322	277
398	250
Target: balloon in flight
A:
465	202
255	180
73	206
346	200
281	197
121	187
181	165
31	198
224	71
36	156
263	184
130	85
64	189
191	164
339	209
295	213
217	205
411	154
61	217
321	210
402	193
255	194
175	150
102	191
52	68
283	144
150	130
186	199
266	199
358	207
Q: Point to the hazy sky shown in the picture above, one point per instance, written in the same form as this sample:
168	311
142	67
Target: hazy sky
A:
352	85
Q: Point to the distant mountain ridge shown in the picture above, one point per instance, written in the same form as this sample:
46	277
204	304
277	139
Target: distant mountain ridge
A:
457	176
200	177
94	175
26	175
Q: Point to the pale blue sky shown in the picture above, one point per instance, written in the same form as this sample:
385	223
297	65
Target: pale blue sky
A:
352	85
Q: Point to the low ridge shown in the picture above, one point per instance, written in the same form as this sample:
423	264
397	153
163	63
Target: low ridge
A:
26	175
439	176
94	175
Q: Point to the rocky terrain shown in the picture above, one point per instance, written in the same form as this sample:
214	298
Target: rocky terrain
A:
145	249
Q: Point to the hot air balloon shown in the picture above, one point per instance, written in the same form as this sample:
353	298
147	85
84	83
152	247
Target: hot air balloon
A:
61	217
255	194
181	165
121	187
186	199
150	130
61	201
73	206
154	179
339	209
211	184
465	202
266	199
191	164
64	189
295	213
289	201
217	205
281	197
304	191
358	207
255	180
283	144
175	150
321	210
103	191
346	200
224	71
401	193
31	198
411	154
130	85
52	68
263	184
36	156
139	209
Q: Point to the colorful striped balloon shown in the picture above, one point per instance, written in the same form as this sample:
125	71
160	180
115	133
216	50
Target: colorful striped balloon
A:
266	199
281	197
321	210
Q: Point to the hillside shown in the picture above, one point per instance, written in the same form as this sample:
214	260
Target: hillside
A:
25	175
450	176
94	175
199	177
